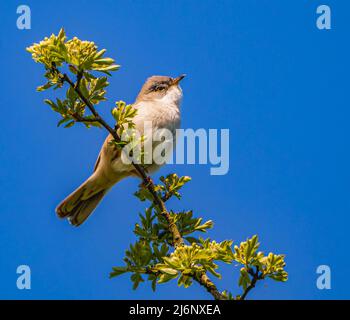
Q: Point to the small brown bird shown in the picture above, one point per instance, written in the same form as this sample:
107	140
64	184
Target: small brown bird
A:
158	102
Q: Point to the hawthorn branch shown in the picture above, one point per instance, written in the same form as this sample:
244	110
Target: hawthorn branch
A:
204	281
256	276
78	118
201	278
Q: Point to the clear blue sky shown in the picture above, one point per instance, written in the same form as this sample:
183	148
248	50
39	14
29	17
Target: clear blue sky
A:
260	68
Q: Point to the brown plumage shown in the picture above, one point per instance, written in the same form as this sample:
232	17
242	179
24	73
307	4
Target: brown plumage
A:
158	101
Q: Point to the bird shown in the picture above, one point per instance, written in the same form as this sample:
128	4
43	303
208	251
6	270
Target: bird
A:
159	102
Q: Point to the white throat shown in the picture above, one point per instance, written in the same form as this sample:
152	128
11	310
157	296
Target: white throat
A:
173	96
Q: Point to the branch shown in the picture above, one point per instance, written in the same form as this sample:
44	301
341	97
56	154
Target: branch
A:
204	281
255	277
79	118
202	278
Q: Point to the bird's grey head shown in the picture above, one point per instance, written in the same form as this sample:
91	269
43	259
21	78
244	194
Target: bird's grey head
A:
162	88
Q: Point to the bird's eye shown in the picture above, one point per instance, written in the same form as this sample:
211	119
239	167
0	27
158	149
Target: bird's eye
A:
160	87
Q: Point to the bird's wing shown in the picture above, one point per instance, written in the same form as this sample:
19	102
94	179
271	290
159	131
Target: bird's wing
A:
97	161
109	153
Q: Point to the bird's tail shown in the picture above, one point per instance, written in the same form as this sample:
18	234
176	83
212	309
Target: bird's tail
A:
78	206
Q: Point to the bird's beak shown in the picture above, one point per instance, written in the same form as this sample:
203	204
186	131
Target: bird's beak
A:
178	79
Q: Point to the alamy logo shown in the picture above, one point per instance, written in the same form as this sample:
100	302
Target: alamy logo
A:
24	280
323	21
324	279
24	20
155	147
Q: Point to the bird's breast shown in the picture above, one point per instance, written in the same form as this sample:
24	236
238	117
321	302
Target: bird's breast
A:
158	114
153	120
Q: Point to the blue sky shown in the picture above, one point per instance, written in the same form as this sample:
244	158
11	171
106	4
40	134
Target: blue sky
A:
260	68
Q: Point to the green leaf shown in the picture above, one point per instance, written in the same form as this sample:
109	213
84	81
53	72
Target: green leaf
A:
192	240
117	271
169	271
166	277
44	87
136	278
62	121
69	124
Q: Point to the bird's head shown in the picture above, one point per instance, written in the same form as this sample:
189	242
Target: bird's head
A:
162	88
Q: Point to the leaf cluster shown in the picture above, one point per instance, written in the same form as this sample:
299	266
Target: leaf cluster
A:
256	265
124	114
169	187
190	260
83	60
81	55
187	262
154	238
